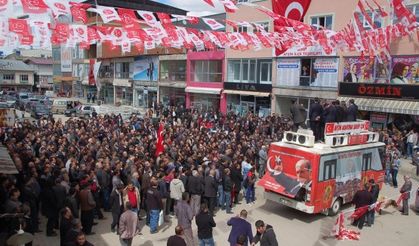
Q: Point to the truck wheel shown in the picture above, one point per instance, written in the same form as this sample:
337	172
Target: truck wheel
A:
332	211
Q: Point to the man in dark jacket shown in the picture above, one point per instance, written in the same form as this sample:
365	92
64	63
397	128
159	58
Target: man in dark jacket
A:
227	187
352	111
374	190
205	222
299	115
315	116
65	224
117	205
177	239
405	191
362	199
240	226
265	235
154	205
196	188
210	190
60	194
340	112
237	179
49	207
329	113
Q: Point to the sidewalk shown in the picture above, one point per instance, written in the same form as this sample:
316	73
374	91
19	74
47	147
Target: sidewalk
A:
406	168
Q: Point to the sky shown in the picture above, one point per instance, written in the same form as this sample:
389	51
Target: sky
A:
196	7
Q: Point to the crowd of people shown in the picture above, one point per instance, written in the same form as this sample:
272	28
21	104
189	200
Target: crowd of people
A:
72	171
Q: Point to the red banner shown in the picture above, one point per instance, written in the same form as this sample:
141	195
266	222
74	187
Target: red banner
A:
346	127
292	9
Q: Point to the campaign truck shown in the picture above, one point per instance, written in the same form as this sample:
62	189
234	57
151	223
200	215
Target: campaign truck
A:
321	177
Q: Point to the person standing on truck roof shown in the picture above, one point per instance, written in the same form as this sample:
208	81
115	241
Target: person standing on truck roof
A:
299	115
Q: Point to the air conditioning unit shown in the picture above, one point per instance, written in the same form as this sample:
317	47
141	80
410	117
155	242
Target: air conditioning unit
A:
336	140
372	137
300	138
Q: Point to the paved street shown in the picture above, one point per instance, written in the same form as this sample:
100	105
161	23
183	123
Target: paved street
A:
292	227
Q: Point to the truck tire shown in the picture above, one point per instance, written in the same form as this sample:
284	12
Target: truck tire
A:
335	208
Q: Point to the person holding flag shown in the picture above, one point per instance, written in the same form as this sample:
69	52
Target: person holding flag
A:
160	139
362	200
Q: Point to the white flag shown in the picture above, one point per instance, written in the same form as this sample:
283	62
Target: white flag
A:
59	7
213	24
107	14
148	17
6	7
41	34
78	33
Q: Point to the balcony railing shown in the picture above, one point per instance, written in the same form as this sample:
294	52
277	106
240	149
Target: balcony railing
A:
106	74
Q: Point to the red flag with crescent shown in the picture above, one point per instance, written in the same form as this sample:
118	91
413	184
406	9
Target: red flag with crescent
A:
159	144
291	9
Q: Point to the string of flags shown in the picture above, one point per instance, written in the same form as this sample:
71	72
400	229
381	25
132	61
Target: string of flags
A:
340	232
148	30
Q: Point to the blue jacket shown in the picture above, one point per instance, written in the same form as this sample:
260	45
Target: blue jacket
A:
239	227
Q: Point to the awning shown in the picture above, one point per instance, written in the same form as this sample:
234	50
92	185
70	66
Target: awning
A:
202	90
122	82
7	166
385	106
247	93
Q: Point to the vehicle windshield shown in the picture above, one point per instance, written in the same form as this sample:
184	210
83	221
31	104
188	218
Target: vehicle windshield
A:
24	97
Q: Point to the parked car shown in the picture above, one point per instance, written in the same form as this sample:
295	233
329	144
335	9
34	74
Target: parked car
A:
39	111
30	103
60	105
70	112
84	111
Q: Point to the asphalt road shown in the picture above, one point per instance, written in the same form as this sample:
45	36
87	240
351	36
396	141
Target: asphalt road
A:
291	227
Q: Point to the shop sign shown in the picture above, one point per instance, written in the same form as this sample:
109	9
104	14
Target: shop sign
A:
379	90
378	117
248	87
304	51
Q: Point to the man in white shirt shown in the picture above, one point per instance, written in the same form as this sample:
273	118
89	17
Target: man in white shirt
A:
412	140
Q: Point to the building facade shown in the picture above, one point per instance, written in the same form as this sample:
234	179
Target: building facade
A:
16	76
43	73
303	74
172	80
248	82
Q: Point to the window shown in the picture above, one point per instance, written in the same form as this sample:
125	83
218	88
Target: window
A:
243	1
366	161
8	77
249	71
24	78
122	70
207	71
321	22
265	72
413	8
261	25
172	70
243	29
328	171
375	18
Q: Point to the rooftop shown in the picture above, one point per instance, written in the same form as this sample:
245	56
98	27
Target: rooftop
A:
14	65
39	61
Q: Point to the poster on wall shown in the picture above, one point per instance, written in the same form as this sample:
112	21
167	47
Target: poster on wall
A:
405	70
325	72
357	70
382	72
66	59
146	68
288	72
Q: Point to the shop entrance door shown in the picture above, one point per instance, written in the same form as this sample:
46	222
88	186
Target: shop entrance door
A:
247	107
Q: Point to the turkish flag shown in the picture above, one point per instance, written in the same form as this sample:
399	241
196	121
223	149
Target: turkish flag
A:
92	80
128	18
34	6
78	11
19	26
159	144
291	9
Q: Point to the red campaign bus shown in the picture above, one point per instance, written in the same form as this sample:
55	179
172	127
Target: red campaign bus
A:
321	177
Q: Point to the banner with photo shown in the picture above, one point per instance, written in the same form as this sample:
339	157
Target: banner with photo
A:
401	70
146	68
358	70
405	70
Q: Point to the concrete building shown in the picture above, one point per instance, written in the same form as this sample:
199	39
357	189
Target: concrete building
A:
43	73
248	80
16	76
305	74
